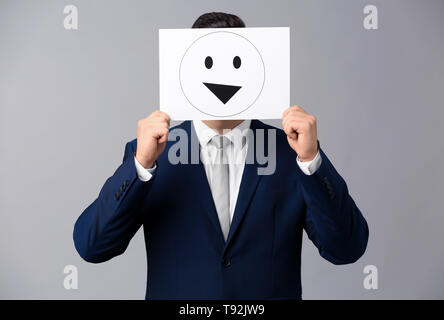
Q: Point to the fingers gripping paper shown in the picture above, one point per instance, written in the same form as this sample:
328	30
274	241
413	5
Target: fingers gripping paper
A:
224	73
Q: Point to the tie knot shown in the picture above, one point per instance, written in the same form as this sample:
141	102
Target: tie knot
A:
221	142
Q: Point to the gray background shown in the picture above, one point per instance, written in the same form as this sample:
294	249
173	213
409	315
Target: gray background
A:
69	100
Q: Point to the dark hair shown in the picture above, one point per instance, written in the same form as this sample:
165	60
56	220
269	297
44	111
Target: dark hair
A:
218	20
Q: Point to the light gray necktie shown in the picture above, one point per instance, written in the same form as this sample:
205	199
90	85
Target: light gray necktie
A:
220	183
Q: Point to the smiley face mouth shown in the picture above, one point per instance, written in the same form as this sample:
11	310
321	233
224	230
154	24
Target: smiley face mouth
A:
223	92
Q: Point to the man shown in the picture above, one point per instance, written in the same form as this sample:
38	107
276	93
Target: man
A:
218	230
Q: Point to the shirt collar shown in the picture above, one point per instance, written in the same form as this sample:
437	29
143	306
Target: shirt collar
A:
205	133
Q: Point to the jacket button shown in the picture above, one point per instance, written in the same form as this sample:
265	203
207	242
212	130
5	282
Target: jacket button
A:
226	262
126	183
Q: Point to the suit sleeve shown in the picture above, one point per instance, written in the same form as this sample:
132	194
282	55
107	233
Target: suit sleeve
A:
333	221
106	227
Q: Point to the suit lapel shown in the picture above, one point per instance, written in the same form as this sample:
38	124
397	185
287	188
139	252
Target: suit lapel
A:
250	180
197	174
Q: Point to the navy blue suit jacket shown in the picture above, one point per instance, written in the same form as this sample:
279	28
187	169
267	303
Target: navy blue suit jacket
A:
186	252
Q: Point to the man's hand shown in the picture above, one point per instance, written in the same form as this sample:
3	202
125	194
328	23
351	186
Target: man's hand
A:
152	135
301	131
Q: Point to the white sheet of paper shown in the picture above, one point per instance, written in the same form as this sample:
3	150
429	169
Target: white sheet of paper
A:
224	73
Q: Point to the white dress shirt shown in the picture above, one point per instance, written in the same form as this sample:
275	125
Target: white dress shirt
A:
236	152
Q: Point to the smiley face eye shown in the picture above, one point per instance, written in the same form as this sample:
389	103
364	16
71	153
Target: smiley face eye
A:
237	62
208	62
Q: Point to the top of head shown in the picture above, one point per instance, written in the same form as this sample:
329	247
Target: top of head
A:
218	20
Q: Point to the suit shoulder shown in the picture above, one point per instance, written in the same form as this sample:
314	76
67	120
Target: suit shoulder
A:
131	146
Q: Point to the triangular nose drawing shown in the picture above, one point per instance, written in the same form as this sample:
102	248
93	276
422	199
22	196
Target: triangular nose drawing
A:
223	91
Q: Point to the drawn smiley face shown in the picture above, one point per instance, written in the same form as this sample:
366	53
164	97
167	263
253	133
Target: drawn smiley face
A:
222	74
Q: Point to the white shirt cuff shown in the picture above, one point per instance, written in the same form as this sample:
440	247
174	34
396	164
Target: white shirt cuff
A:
310	167
144	174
